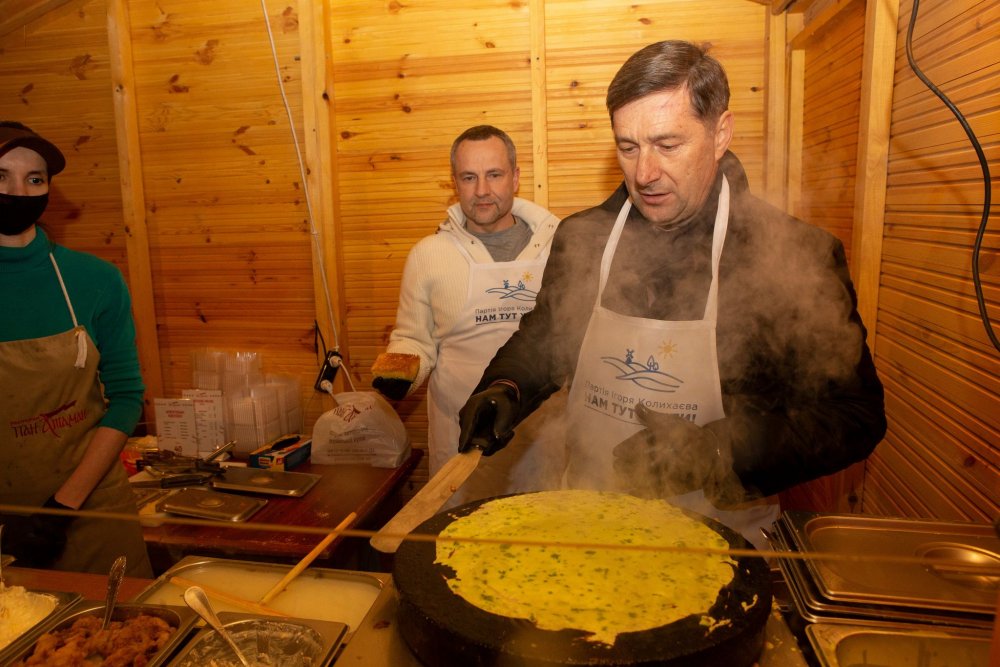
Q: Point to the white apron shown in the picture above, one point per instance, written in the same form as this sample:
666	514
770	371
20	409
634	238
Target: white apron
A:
671	366
49	414
499	294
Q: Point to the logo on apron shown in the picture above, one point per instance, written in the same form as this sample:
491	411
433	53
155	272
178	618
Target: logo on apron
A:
648	375
53	422
506	310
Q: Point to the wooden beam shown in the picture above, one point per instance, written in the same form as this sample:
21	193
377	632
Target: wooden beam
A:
539	105
873	155
16	14
796	103
322	174
776	117
820	19
140	273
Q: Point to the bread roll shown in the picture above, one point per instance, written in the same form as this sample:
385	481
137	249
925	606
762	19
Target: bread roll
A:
396	366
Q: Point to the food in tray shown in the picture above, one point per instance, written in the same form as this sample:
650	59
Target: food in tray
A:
20	609
132	641
265	643
600	591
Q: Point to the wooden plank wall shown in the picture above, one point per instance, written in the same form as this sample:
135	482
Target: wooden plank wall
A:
941	457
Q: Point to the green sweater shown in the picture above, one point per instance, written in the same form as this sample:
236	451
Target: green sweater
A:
32	306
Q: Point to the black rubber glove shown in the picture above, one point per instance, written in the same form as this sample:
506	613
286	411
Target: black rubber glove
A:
672	456
36	540
487	419
394	389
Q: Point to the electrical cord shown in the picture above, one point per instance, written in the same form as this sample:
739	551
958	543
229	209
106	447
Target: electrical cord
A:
987	186
313	231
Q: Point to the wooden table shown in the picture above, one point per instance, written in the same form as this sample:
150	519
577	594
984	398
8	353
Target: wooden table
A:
341	490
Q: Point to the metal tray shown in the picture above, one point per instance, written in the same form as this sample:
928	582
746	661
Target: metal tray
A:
811	607
323	594
287	641
902	584
64	602
180	618
208	504
261	480
851	645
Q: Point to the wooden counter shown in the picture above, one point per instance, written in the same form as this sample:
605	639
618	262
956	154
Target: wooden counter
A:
341	490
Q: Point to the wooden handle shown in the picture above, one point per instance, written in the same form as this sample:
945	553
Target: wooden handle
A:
249	605
309	558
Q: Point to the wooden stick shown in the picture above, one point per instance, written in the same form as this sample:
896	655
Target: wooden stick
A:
309	558
226	597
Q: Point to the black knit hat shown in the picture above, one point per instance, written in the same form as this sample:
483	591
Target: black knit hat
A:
14	134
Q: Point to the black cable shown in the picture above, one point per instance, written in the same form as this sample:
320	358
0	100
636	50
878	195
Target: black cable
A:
987	186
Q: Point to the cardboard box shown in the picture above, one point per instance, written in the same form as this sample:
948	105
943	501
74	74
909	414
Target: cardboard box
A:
283	458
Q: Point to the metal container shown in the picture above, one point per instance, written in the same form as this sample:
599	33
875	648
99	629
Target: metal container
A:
207	504
64	602
944	566
277	642
811	606
849	645
257	480
322	594
180	618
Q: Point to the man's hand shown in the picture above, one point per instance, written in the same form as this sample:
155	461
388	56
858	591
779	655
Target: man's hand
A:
392	388
672	456
36	540
487	419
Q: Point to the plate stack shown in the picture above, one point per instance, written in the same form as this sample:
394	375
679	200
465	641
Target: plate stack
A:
930	579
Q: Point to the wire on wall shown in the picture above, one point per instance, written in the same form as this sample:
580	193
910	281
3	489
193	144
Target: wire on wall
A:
987	187
333	355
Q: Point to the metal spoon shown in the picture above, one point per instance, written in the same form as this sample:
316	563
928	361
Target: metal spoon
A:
195	598
114	582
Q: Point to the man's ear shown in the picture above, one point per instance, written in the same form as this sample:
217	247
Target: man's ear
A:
723	133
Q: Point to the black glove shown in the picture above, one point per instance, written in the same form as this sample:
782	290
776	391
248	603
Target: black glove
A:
672	456
487	419
36	540
394	389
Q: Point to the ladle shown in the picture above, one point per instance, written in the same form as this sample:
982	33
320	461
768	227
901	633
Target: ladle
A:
195	598
114	582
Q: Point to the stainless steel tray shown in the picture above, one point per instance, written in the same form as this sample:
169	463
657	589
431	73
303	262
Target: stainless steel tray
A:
262	480
180	618
284	640
812	607
64	602
902	584
851	645
208	504
324	594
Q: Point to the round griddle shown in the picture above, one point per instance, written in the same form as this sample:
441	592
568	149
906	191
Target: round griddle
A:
443	630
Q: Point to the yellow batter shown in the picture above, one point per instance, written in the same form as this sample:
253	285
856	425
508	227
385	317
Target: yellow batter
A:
600	591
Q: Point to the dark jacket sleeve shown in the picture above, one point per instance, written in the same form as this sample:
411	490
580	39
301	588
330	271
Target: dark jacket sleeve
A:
800	390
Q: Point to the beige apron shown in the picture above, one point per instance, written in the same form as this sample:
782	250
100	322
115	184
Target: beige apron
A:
499	294
51	405
671	366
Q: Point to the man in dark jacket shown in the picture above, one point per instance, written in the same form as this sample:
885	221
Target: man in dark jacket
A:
712	343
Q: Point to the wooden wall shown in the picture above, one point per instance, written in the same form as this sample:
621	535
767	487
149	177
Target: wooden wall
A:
941	456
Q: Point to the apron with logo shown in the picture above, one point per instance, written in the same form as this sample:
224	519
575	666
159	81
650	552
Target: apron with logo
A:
51	405
671	366
499	294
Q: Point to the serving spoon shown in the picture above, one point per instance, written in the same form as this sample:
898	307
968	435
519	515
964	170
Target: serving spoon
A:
195	598
114	582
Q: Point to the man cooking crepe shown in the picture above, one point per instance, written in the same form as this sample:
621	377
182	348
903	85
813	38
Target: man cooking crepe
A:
711	342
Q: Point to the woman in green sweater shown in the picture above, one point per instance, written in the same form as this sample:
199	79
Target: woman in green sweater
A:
70	386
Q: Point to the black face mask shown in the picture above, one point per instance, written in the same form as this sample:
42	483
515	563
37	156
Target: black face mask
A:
17	213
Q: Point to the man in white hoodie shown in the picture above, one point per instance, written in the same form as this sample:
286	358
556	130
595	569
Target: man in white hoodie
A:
464	290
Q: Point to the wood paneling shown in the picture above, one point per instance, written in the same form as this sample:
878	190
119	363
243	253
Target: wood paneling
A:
941	457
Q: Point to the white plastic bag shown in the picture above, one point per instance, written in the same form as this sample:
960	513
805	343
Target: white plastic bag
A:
363	428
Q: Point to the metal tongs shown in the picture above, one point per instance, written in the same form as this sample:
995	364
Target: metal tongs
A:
169	469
